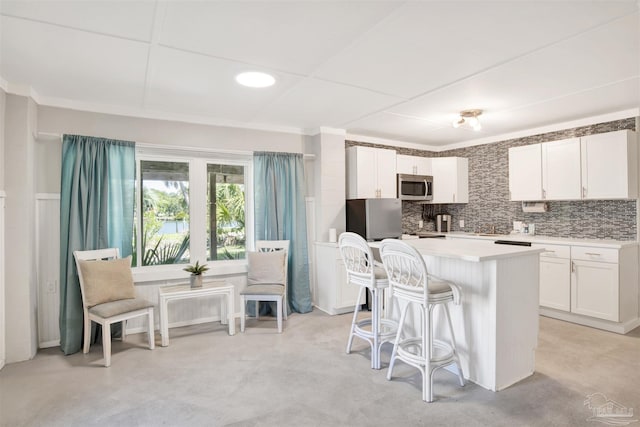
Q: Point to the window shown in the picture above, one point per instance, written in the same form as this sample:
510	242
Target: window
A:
191	208
165	212
225	215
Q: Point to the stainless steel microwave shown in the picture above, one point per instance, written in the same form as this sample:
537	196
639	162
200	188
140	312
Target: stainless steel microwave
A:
415	187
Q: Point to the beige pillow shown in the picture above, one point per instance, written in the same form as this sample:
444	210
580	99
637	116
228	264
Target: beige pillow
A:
266	267
106	281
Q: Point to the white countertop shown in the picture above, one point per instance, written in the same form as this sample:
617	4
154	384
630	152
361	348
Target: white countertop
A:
467	249
545	239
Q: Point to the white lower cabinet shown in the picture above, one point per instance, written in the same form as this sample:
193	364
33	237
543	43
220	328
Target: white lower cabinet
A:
594	287
333	294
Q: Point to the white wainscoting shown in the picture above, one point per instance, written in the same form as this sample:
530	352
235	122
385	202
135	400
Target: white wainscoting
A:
48	268
3	351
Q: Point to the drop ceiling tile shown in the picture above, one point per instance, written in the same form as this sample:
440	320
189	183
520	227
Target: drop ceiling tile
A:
427	45
130	19
289	36
314	103
57	63
593	59
188	83
391	126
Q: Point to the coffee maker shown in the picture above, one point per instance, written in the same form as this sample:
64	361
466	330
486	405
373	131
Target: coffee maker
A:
443	223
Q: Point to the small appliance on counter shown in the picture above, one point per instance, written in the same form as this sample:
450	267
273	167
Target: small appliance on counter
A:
375	219
443	223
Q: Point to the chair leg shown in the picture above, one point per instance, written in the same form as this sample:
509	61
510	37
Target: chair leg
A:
106	343
124	330
257	310
87	334
279	307
427	353
355	320
394	352
243	303
375	330
151	330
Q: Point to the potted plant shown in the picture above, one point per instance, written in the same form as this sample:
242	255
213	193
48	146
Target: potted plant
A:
196	271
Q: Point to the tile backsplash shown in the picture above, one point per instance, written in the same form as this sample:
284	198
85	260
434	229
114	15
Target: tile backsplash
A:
489	203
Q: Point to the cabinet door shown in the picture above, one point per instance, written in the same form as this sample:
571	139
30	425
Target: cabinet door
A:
595	289
406	164
450	179
525	172
555	283
561	170
361	173
386	173
423	166
608	165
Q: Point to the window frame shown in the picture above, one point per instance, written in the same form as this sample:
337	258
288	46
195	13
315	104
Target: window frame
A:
197	161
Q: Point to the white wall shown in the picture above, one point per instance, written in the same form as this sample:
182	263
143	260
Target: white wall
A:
3	353
329	183
20	293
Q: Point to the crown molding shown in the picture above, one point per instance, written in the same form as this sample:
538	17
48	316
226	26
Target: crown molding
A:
325	130
587	121
391	142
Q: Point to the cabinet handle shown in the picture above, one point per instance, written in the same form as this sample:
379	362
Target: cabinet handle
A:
549	252
573	267
544	194
584	192
592	253
454	197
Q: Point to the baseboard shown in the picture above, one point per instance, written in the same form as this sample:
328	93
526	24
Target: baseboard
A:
618	328
48	344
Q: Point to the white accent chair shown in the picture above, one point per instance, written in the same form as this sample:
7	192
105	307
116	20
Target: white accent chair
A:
410	283
108	296
267	279
363	271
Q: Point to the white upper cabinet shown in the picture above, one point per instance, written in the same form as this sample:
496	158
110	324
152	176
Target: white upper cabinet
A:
609	165
413	165
602	166
525	172
371	173
561	170
450	179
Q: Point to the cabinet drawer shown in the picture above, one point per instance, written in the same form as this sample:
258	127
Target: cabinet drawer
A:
594	254
553	251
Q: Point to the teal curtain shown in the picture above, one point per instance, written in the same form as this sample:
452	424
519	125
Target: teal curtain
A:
280	214
96	211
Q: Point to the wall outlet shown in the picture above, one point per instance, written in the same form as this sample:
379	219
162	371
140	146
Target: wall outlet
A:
51	287
420	224
462	223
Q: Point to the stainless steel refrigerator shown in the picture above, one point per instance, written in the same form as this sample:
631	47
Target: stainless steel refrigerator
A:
375	219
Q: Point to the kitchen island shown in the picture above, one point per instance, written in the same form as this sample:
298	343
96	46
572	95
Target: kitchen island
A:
496	324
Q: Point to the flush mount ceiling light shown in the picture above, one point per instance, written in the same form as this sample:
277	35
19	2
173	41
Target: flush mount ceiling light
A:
255	79
470	117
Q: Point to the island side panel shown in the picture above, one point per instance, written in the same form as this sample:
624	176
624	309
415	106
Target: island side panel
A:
517	319
474	321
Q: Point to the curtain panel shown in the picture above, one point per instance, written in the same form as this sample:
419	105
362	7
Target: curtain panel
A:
97	198
280	214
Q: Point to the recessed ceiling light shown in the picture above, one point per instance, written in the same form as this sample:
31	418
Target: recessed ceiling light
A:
255	79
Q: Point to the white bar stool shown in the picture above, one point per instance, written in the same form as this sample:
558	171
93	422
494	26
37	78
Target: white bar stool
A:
361	270
410	283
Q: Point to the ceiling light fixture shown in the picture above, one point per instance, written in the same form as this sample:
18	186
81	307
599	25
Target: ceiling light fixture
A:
470	117
255	79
